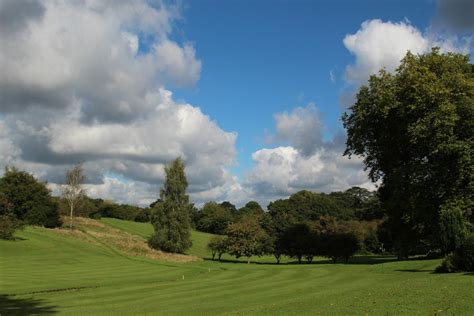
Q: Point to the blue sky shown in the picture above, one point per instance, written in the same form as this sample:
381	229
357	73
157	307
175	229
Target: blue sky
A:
242	90
263	57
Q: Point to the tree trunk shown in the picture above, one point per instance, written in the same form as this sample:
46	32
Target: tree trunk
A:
70	221
248	260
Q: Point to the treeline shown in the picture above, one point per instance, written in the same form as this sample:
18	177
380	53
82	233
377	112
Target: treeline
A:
97	208
307	224
26	201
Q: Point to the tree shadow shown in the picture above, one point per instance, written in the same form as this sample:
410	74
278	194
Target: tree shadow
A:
367	260
9	305
416	270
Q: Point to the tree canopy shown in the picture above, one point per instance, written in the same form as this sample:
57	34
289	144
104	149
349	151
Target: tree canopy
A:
415	131
30	199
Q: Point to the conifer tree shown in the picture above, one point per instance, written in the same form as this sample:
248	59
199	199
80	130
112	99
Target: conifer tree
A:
171	218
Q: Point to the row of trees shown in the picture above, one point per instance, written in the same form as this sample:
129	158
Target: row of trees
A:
248	238
353	204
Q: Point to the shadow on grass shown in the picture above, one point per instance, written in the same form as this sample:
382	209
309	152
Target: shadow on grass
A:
9	305
416	270
367	260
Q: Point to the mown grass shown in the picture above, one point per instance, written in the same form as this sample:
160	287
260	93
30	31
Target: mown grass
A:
48	272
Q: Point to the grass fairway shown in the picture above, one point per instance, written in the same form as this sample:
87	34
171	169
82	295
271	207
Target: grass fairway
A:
49	272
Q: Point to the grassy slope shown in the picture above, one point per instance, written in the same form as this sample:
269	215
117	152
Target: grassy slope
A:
145	230
50	272
200	239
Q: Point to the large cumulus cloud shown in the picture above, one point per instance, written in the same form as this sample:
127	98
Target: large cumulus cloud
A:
378	44
87	81
306	162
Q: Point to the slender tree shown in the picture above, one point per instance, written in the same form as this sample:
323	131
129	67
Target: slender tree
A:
73	190
171	218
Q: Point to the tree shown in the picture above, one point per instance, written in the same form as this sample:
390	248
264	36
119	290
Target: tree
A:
8	221
299	241
415	131
339	245
246	239
73	190
171	219
251	209
214	218
217	246
31	200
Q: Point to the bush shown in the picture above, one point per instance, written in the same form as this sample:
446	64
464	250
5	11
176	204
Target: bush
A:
448	265
31	200
340	245
462	259
465	255
8	225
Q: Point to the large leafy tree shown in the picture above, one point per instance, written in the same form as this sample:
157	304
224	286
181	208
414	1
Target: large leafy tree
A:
214	218
247	238
30	199
172	215
415	131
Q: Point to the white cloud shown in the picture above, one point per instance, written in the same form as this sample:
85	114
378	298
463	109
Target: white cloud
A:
302	128
86	81
307	162
379	44
282	171
87	52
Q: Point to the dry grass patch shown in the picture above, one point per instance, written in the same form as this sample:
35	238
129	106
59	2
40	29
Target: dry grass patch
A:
93	230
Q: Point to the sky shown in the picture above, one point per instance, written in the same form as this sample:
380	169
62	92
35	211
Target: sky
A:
248	93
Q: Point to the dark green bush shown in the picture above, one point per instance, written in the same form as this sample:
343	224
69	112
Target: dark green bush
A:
462	259
8	225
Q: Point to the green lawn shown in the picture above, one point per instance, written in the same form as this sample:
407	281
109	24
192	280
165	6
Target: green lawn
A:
48	272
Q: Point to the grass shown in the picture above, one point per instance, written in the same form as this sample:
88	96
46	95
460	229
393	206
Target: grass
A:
46	272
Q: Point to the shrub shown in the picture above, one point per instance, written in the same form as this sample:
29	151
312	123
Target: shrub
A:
448	265
8	225
31	200
462	259
340	245
465	254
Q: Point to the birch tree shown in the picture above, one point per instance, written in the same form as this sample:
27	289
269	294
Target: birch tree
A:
73	190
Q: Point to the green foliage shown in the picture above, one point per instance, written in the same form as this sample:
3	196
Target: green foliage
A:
251	209
8	221
415	131
465	254
355	203
31	200
453	226
246	239
171	218
340	245
217	245
85	207
462	259
300	241
214	218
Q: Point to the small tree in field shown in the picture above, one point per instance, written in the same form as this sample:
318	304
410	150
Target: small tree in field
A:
171	218
246	239
217	246
72	190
